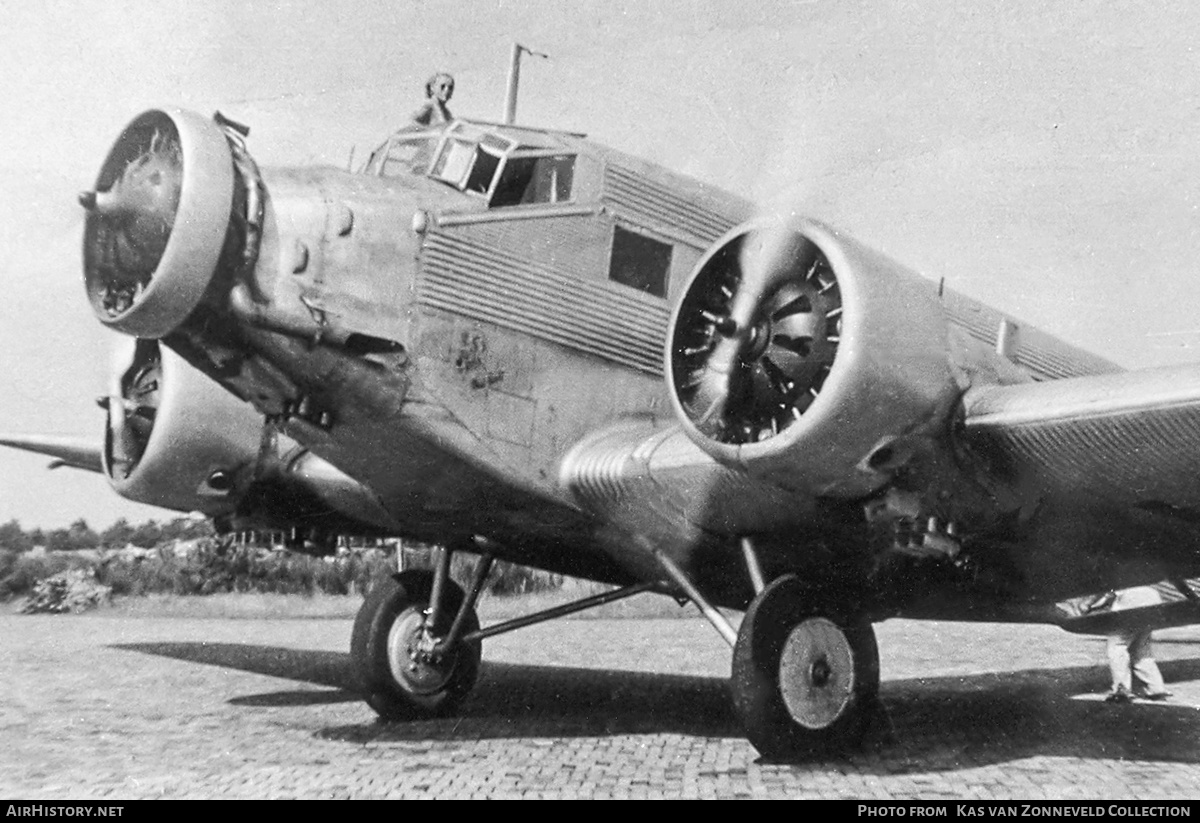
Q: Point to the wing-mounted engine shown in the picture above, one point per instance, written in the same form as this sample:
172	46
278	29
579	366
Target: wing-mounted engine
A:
808	359
175	438
179	440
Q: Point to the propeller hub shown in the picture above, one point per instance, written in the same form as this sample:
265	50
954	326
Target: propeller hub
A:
755	336
758	340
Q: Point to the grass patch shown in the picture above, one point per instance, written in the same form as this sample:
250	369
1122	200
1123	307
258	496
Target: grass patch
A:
235	606
492	607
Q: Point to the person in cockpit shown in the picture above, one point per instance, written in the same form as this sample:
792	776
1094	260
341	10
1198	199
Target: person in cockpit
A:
438	89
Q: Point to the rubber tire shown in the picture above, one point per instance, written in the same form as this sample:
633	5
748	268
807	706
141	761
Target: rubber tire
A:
388	601
757	697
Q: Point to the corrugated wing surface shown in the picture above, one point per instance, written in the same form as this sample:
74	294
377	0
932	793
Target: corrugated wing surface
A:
1132	437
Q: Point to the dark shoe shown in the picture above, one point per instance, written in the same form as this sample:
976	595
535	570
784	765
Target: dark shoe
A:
1118	695
1157	696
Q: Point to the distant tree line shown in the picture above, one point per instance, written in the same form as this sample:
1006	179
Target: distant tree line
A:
215	564
79	535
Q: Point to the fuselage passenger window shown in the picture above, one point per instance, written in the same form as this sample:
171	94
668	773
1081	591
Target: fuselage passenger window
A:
640	262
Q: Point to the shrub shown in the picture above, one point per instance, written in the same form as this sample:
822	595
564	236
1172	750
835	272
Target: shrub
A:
28	569
8	560
210	565
74	590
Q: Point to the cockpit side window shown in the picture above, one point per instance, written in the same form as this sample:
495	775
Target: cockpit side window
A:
404	153
545	179
469	158
408	157
454	162
482	171
501	168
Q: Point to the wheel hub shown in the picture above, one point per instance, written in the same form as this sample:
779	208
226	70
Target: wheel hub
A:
821	673
816	673
412	666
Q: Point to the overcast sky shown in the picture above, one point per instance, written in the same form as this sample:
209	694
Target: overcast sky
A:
1041	156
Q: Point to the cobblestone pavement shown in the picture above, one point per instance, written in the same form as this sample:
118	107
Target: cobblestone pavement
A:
106	707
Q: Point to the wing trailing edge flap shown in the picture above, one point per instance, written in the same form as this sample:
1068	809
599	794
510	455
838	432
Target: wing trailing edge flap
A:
1132	438
75	452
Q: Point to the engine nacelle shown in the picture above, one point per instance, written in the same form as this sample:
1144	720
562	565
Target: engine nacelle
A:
179	440
175	438
157	221
809	359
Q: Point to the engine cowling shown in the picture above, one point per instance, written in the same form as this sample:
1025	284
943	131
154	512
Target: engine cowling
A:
174	438
157	221
808	359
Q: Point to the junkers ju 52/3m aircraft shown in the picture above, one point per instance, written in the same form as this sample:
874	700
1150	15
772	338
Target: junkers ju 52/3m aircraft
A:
518	343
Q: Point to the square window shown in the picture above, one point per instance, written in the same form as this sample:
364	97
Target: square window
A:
640	262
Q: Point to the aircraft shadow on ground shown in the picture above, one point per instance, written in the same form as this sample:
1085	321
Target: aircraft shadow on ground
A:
936	723
952	722
320	668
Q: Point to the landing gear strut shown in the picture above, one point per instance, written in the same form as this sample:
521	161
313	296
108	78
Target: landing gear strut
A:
805	673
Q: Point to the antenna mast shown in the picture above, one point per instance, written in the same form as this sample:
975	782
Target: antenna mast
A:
514	80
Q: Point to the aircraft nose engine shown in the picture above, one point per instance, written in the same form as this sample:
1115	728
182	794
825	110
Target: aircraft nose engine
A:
159	221
807	358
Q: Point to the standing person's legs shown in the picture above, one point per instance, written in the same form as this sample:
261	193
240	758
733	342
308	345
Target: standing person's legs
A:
1143	665
1118	664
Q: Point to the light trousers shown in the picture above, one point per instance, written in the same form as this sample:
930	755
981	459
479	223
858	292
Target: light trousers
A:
1129	656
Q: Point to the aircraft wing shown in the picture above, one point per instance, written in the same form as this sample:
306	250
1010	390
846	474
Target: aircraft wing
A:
1179	606
75	452
1132	438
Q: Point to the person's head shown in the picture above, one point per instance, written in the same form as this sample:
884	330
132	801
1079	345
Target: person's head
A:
440	87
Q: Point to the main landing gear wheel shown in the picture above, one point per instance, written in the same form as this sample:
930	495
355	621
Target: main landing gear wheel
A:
399	677
805	676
